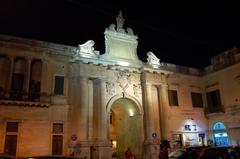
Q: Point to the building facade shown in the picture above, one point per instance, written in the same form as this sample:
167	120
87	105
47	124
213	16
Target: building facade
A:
64	100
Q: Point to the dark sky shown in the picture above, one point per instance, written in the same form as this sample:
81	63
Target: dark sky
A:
187	33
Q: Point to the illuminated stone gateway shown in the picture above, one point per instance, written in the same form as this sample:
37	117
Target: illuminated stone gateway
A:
64	100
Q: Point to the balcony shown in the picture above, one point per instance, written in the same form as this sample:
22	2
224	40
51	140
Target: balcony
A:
214	110
21	98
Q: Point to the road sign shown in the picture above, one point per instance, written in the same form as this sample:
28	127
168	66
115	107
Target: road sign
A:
154	135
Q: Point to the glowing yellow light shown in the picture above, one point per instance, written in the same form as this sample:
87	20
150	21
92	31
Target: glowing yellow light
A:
131	112
114	144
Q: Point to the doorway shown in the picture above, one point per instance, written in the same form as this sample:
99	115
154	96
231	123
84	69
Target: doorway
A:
220	134
10	146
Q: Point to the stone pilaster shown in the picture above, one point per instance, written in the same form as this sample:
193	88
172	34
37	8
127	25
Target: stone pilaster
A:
164	112
90	110
83	110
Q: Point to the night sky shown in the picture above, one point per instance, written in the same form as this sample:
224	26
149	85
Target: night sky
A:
187	34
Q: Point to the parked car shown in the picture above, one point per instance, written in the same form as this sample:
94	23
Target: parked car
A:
221	152
192	152
54	157
50	157
5	156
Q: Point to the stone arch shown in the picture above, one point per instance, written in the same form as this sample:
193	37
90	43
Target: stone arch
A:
118	96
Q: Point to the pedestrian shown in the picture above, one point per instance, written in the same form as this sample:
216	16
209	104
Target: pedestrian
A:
164	150
128	154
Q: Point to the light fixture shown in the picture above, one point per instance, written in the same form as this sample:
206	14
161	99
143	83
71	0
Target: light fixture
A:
131	112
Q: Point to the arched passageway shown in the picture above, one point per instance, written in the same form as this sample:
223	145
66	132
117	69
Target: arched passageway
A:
126	127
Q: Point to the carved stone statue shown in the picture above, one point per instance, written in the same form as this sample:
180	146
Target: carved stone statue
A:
153	60
120	20
87	48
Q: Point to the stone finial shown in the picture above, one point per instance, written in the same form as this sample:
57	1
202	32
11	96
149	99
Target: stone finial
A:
130	31
153	60
87	49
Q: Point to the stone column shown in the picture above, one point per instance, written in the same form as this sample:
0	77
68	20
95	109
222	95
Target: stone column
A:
151	150
103	147
79	100
103	111
46	82
12	61
164	112
149	114
27	75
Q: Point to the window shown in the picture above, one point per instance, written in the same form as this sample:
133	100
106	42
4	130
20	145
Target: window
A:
213	99
12	127
214	102
57	128
197	100
59	85
17	86
10	145
173	97
57	138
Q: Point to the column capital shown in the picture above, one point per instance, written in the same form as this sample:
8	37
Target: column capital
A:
89	82
83	78
11	57
99	80
28	58
164	86
146	84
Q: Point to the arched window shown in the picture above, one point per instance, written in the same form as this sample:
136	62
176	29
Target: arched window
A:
219	126
220	134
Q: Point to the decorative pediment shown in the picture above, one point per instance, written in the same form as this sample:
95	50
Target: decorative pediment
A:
152	60
121	44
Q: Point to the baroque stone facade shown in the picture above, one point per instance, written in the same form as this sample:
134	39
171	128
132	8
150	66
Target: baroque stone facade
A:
64	100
